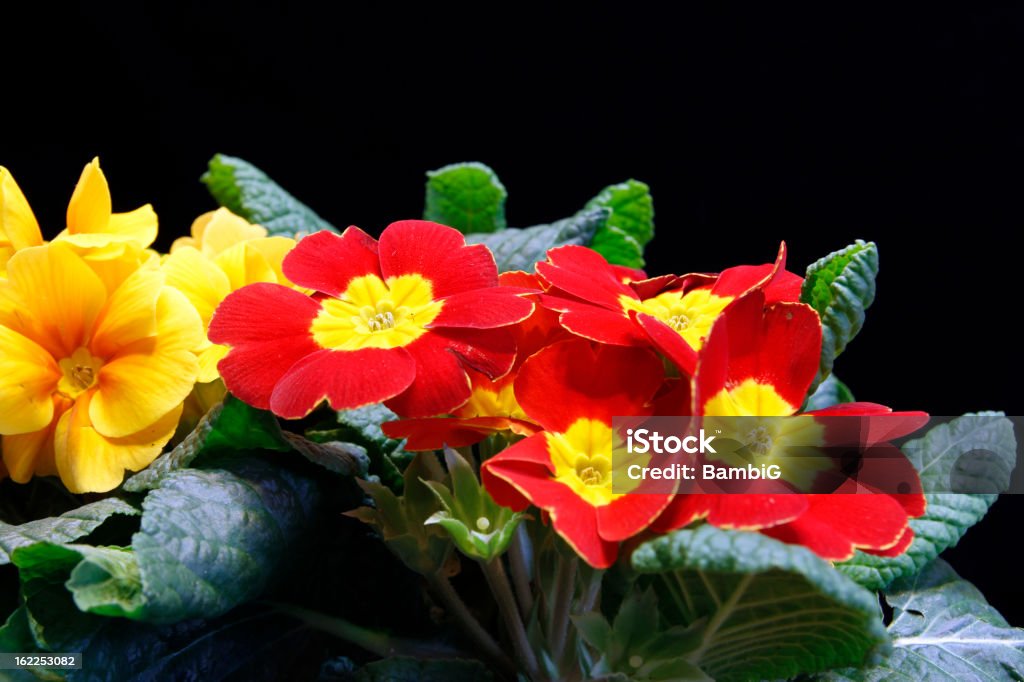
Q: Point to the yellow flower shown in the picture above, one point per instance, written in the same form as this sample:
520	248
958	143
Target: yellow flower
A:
91	381
106	239
224	253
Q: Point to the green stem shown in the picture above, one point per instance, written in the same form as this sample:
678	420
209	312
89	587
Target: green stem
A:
373	641
469	625
498	582
519	552
565	587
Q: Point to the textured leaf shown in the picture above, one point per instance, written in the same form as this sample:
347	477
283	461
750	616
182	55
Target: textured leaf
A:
231	425
247	191
830	392
212	539
402	669
841	287
519	249
629	227
943	630
773	610
361	427
244	645
948	515
67	527
466	196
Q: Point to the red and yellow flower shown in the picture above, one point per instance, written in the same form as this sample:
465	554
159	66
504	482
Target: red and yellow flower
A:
492	407
760	361
601	302
573	389
399	320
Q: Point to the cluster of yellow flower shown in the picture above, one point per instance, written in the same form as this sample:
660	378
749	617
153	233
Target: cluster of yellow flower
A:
103	348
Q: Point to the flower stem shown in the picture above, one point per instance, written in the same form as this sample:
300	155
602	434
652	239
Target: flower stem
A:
519	560
469	625
565	587
497	579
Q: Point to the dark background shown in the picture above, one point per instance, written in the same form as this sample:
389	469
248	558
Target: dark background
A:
903	126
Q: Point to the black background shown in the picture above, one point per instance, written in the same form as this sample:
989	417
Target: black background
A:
902	126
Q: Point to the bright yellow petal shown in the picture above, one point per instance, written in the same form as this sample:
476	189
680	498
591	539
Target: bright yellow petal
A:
28	377
113	267
148	378
18	225
274	249
244	265
203	283
139	226
31	454
90	462
130	313
53	299
224	229
89	209
208	359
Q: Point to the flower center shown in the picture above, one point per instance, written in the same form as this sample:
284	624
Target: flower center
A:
582	457
759	440
373	313
690	314
79	371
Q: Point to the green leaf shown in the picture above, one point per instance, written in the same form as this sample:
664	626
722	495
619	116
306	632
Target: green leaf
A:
247	644
943	630
67	527
949	515
773	610
466	196
402	669
841	287
246	190
361	427
629	227
213	539
230	426
519	249
830	392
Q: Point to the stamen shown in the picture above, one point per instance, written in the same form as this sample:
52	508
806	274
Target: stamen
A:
679	322
590	476
759	440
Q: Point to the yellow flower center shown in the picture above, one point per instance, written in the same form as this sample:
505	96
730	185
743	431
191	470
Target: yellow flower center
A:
690	314
583	460
373	313
79	373
491	401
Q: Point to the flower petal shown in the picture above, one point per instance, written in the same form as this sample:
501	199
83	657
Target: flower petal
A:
441	381
28	377
347	379
89	209
91	462
138	226
58	298
437	253
628	515
669	342
574	379
584	273
483	309
326	262
595	323
203	283
433	433
267	328
219	230
18	225
130	312
31	454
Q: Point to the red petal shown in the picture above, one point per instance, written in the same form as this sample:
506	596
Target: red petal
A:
584	273
437	253
741	279
625	517
574	379
441	382
327	262
347	379
267	326
594	323
520	279
488	351
834	525
483	309
901	546
433	433
785	287
669	342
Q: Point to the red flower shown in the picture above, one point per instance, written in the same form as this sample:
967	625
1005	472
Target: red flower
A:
397	321
573	389
760	361
604	303
492	406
